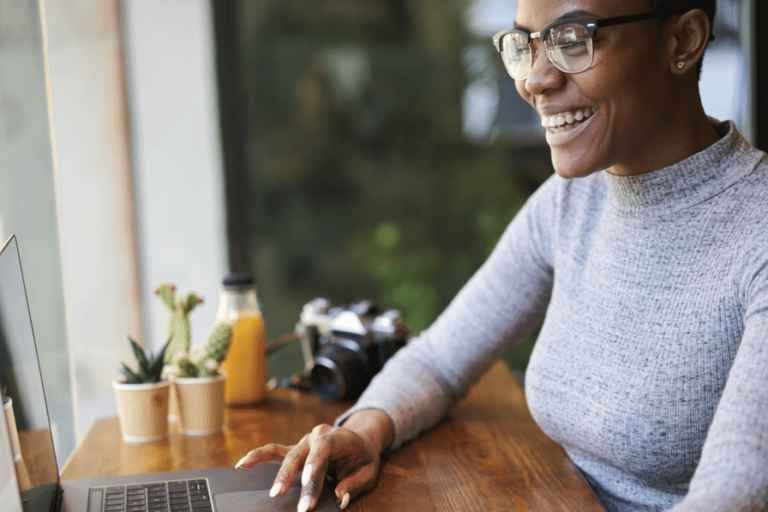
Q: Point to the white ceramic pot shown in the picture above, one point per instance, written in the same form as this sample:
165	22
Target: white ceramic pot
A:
10	421
201	404
22	473
143	410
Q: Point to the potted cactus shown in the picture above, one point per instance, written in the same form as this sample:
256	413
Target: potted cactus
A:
179	331
199	385
142	396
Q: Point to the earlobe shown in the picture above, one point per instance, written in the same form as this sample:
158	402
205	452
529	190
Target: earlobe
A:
690	38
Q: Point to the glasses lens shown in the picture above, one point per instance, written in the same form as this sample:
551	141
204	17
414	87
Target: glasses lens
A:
570	48
516	54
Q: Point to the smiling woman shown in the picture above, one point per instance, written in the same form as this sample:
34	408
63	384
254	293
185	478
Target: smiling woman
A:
645	254
636	68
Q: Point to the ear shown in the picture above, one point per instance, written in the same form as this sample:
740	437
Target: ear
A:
689	36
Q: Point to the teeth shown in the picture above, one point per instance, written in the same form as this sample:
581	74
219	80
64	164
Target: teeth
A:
563	118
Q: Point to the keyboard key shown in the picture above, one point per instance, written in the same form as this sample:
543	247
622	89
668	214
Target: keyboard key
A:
173	496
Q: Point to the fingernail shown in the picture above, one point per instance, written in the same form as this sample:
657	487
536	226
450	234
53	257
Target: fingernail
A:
344	501
304	503
240	462
306	475
275	490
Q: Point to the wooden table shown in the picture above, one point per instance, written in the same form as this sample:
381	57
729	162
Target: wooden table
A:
488	455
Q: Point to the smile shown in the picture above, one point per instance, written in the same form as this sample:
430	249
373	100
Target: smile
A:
564	127
567	119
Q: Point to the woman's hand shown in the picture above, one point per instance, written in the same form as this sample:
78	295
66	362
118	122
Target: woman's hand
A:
351	454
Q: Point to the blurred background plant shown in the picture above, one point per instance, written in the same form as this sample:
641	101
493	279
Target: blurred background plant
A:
378	151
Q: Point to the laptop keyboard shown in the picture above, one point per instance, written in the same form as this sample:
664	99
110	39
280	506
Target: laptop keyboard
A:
171	496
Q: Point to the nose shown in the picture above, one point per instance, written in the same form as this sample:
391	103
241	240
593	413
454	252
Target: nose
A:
544	77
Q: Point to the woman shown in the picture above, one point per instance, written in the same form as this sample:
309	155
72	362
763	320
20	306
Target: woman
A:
646	255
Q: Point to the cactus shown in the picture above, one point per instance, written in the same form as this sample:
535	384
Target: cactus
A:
204	360
178	328
149	368
218	342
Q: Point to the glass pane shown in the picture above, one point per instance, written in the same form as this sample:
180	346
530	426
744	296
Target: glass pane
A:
384	151
27	205
726	73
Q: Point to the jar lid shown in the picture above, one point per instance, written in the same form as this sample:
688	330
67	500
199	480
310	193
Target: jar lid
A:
238	280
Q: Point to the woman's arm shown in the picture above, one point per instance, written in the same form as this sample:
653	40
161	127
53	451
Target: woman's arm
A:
732	474
503	301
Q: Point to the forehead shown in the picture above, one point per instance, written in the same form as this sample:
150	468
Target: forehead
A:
536	14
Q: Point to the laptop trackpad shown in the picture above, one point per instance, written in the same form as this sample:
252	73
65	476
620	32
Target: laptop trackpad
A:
259	501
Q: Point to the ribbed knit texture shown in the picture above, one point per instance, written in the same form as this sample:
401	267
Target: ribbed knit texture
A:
651	368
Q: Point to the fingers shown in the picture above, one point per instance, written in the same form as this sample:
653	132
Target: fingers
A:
290	467
267	453
325	445
355	484
315	467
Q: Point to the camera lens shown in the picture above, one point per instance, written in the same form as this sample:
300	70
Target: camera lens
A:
339	373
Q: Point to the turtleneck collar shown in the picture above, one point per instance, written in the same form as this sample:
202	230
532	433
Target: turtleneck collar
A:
688	182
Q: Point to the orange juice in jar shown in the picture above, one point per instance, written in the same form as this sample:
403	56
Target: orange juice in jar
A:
245	366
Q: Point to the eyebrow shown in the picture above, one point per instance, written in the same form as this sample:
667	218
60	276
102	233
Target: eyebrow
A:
577	13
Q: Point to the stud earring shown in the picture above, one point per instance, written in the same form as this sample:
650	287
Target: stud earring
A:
680	65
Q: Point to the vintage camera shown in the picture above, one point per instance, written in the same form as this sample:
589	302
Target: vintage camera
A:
344	347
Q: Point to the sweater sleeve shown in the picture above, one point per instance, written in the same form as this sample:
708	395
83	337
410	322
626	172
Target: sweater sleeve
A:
732	474
503	301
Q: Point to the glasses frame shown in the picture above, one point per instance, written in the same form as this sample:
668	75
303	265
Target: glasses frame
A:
590	24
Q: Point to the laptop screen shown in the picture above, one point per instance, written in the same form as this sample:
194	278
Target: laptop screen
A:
23	398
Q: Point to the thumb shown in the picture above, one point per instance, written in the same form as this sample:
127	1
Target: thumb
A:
355	484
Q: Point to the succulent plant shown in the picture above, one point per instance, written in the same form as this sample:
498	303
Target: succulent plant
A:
204	360
149	368
179	330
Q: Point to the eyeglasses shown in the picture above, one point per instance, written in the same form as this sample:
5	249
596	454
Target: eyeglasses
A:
568	44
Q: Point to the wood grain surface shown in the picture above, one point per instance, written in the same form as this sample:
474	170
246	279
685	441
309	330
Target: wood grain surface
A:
487	455
38	455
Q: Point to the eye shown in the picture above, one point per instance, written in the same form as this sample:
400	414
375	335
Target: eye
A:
570	39
515	48
575	49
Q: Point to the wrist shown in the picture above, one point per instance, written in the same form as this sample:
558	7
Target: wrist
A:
374	426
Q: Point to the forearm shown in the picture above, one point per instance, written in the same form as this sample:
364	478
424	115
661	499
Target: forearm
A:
502	302
732	474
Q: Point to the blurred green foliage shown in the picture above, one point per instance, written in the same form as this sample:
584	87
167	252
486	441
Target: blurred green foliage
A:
358	180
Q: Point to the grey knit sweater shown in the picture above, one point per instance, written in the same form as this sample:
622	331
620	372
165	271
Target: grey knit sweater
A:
651	368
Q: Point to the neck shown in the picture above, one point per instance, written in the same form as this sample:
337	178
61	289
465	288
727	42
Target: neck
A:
679	134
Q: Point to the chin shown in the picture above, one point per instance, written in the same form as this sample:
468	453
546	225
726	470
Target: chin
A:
567	167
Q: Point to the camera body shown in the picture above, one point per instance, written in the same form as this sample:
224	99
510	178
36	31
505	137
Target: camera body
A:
344	347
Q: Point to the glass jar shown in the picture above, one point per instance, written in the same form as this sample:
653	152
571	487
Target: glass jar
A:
246	364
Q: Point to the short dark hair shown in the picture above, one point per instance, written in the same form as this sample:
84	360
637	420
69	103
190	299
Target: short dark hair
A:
680	6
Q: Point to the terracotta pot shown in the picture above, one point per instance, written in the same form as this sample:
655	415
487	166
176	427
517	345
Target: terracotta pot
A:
201	404
143	410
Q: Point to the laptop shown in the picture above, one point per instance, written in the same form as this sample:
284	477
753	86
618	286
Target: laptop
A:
29	472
